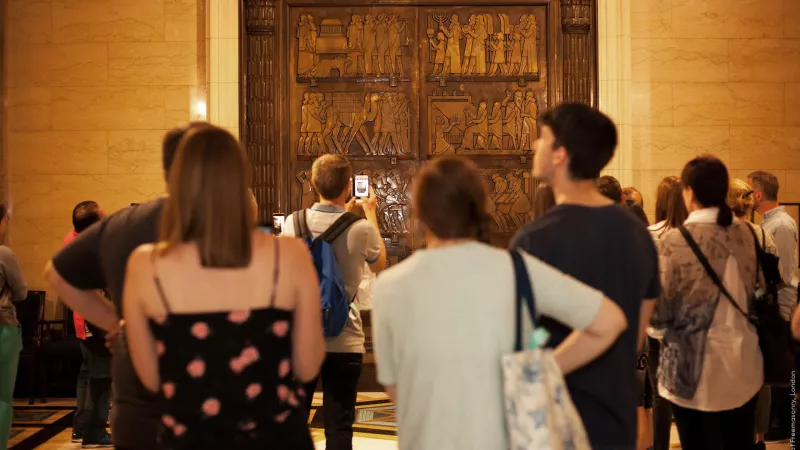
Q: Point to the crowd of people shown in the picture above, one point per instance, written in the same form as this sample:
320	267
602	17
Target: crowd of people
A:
216	337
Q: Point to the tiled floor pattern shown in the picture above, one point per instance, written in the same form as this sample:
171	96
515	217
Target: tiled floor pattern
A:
374	428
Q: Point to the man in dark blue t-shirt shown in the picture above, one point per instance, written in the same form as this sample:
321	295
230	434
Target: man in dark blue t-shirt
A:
590	238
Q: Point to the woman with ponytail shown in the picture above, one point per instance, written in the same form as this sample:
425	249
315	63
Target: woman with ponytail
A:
444	317
711	363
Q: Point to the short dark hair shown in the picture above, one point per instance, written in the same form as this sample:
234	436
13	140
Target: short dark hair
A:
85	214
708	178
450	199
331	175
588	136
3	211
630	192
610	187
169	145
766	183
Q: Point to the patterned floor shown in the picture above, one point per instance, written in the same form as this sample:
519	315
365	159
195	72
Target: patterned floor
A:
48	427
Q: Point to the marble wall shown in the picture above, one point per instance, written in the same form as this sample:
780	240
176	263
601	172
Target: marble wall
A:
719	77
91	87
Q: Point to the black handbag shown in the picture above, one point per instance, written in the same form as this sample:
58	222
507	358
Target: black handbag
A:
774	333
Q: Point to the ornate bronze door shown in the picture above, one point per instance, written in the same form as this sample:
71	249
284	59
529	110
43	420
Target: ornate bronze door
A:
392	85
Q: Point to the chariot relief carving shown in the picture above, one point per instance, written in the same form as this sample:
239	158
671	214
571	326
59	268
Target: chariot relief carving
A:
485	47
347	123
362	48
391	187
510	198
496	126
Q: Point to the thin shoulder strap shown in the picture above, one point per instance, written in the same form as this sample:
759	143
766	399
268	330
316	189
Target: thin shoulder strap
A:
300	225
275	273
711	273
157	280
524	293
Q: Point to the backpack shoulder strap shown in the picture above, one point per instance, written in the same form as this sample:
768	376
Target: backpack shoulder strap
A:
300	225
338	227
711	272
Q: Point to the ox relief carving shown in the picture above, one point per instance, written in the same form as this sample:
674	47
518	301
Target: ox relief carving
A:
347	123
366	48
462	125
390	186
483	49
510	195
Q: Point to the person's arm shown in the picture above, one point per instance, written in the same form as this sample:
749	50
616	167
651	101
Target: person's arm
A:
382	337
141	343
376	249
796	324
288	226
308	344
76	274
597	321
653	292
13	274
786	241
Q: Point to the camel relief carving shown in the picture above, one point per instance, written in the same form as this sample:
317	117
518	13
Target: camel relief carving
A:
346	123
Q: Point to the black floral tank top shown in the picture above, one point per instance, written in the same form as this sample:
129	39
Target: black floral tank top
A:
226	379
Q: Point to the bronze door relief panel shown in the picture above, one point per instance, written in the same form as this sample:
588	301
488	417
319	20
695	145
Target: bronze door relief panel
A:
391	86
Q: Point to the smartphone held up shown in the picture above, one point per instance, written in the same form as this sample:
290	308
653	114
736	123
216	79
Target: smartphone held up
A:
361	186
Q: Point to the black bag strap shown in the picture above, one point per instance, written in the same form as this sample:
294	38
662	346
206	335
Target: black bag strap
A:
711	273
759	248
300	225
524	293
338	227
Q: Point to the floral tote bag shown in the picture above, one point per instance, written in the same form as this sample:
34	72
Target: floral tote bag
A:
540	414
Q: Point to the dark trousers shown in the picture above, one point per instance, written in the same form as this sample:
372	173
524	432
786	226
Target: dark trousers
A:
98	367
780	418
339	375
723	430
84	406
662	409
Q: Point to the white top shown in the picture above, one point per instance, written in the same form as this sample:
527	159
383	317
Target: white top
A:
657	229
442	320
733	368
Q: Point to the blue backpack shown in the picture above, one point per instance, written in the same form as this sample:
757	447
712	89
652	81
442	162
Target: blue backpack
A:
335	301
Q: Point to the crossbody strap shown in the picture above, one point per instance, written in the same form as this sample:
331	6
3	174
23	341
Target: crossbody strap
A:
524	293
338	227
711	273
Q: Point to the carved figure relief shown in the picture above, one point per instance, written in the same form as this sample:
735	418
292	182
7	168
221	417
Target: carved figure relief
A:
501	127
367	48
510	198
376	123
391	187
492	48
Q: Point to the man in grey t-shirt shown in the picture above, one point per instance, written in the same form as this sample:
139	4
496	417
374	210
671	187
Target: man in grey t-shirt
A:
331	176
